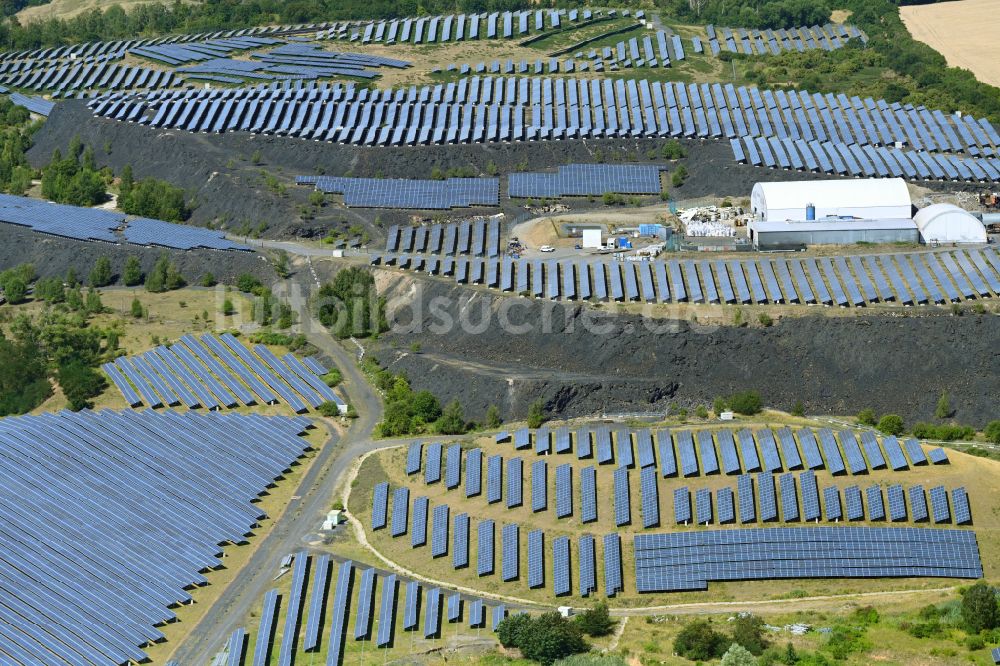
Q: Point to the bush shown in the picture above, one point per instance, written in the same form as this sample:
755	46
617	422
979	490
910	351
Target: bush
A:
79	384
595	621
248	283
765	319
132	275
329	409
929	629
798	409
945	432
452	421
992	432
591	659
747	403
890	424
536	414
867	417
493	419
426	406
545	638
699	640
153	198
164	276
748	632
332	378
349	306
719	405
228	309
943	409
979	608
15	289
844	641
100	276
679	176
737	655
137	310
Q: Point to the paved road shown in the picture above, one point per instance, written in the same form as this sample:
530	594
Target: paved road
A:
316	493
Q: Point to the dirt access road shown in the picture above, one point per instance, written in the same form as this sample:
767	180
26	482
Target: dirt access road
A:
963	32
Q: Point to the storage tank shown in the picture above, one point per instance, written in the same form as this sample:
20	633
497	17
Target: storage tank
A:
810	212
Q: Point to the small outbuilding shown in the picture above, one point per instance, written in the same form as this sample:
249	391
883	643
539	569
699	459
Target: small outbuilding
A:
947	223
785	235
816	200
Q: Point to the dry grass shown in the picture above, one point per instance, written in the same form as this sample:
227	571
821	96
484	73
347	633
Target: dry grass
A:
963	32
965	471
64	9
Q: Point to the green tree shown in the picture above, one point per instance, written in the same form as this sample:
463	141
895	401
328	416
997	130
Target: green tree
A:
551	637
513	629
891	424
698	640
737	655
748	632
943	409
93	303
207	280
746	402
867	417
137	308
979	608
228	309
798	409
719	405
15	289
452	421
536	414
426	406
595	621
154	198
50	290
24	380
329	409
132	274
100	275
992	432
493	419
349	305
79	384
246	282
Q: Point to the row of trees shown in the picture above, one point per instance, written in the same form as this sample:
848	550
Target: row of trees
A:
550	637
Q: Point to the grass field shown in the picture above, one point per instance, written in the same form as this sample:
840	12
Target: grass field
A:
963	32
64	9
964	470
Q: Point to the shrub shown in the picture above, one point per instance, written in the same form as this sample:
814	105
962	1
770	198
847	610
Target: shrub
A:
701	412
846	640
737	655
137	308
765	319
452	421
943	409
15	289
100	276
719	405
992	432
748	631
493	419
536	414
595	621
747	403
228	309
545	638
891	424
798	409
79	384
248	283
132	274
867	417
426	406
332	378
329	409
699	640
207	280
945	432
979	608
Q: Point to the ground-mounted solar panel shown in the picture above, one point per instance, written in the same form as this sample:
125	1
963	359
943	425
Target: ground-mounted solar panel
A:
317	603
339	612
432	468
432	614
682	505
789	497
561	584
539	486
789	449
940	511
510	557
418	533
613	565
564	491
960	506
853	508
265	630
872	450
855	460
725	505
588	494
499	615
602	444
522	438
563	443
745	495
810	496
485	548
622	497
473	472
477	614
454	607
665	448
685	449
831	452
380	505
767	496
588	565
937	456
584	443
748	450
876	507
536	559
293	612
515	482
703	506
706	447
460	539
650	497
439	531
453	466
387	612
411	610
831	502
769	451
365	606
914	451
623	448
494	479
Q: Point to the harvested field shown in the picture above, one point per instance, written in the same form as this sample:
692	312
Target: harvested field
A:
963	32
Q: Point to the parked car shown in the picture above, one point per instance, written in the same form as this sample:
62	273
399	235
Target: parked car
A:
546	248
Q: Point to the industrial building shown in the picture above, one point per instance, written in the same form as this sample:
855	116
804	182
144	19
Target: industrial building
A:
864	198
790	234
947	223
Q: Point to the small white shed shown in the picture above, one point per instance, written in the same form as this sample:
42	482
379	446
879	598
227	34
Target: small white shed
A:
947	223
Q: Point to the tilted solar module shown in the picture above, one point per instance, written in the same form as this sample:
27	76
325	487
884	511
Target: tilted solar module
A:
872	450
380	505
748	449
834	461
854	509
939	505
453	466
485	548
650	497
789	449
768	499
682	505
432	469
914	450
706	447
439	531
703	506
411	611
665	447
341	606
769	450
810	496
896	502
561	583
876	507
460	545
564	491
265	630
539	486
612	564
744	492
494	479
960	506
685	448
536	559
725	505
831	502
789	497
588	494
400	511
588	565
317	602
418	533
622	497
510	557
855	460
937	456
366	605
515	482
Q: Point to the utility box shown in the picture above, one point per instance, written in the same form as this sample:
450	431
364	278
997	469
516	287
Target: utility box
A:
726	416
592	238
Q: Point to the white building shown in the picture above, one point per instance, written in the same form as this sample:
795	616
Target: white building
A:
947	223
865	198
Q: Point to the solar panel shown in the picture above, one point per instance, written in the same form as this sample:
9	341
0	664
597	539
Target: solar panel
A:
564	491
876	508
789	449
380	505
855	460
499	614
744	491
510	557
453	466
484	548
768	499
584	448
682	505
602	437
588	565
561	584
432	471
588	495
960	506
366	604
387	611
623	447
748	449
709	461
536	559
418	534
703	506
317	603
539	486
789	498
668	464
612	565
341	606
439	531
872	450
432	614
937	456
769	450
915	452
834	461
515	483
831	500
810	496
685	448
852	500
265	631
623	510
939	504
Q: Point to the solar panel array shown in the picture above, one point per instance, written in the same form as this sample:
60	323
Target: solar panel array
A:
754	42
476	110
861	160
623	510
103	576
968	273
613	583
586	180
480	238
536	559
690	560
409	193
34	104
145	231
289	62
